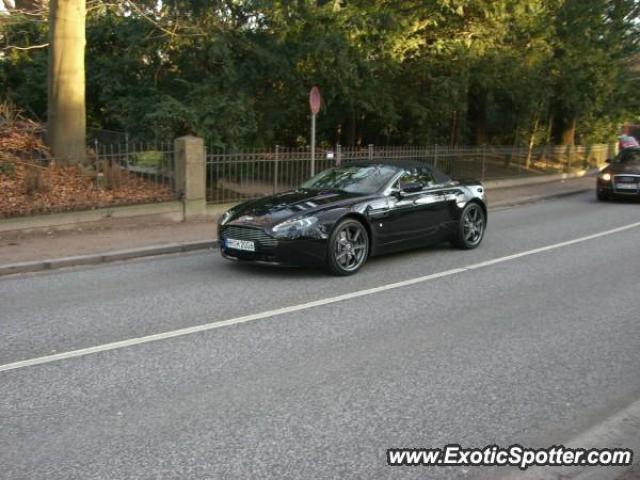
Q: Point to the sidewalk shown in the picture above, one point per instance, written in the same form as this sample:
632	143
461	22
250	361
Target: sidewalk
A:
504	197
110	236
128	238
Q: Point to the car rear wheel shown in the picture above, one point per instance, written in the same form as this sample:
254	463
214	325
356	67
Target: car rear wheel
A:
471	227
348	247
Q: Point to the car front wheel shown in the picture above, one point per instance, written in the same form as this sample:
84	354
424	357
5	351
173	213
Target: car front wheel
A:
471	227
348	247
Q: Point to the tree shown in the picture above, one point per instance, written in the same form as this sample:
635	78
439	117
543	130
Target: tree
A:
66	109
391	72
592	41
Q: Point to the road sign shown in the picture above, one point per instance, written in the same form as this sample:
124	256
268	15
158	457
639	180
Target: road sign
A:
314	103
314	100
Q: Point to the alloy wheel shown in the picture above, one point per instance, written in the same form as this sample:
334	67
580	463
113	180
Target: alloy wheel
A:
473	224
350	246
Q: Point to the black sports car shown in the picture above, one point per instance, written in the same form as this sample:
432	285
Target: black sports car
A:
345	214
621	178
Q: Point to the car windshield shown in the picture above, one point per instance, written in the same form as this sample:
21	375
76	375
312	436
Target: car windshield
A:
352	178
629	157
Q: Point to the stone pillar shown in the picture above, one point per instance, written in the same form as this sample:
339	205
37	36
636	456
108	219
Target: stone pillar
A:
190	176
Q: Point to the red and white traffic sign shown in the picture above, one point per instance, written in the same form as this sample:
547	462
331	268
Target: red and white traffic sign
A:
315	100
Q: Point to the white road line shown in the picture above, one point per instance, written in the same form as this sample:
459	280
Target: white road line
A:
296	308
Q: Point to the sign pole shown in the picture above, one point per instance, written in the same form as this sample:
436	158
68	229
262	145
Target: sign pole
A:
313	144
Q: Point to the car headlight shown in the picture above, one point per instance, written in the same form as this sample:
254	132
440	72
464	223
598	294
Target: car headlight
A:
226	216
605	177
293	227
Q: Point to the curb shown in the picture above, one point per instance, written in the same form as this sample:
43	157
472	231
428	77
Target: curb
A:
537	180
621	430
98	258
536	198
183	247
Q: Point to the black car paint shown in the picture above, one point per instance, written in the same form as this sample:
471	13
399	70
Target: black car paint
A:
395	221
617	169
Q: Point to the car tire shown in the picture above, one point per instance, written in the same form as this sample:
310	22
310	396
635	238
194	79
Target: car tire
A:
348	247
602	196
471	227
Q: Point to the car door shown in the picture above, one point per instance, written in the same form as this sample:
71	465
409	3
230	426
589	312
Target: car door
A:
415	217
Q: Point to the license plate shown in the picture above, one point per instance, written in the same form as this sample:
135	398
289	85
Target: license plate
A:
626	186
246	245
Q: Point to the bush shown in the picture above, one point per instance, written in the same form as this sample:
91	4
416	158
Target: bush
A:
149	158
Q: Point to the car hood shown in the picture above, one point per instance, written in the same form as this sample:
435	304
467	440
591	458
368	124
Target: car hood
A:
269	211
617	168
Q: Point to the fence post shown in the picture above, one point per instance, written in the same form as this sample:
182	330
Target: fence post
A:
275	169
435	156
126	149
338	155
519	161
190	176
99	176
370	151
484	162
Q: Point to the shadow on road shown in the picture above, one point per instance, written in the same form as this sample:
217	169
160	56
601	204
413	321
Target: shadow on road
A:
288	272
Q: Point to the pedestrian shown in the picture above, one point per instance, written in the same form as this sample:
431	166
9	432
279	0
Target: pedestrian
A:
626	141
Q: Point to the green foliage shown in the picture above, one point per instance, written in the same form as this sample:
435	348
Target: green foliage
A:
23	73
148	158
413	71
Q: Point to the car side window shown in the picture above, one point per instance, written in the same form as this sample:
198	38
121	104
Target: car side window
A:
421	176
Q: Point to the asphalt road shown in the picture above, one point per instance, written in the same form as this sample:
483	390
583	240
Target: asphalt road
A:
532	350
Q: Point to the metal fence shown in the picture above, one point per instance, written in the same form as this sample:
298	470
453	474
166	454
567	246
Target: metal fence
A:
33	181
237	176
127	172
153	163
150	162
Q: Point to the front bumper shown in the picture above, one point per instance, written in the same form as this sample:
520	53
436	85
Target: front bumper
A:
609	188
270	250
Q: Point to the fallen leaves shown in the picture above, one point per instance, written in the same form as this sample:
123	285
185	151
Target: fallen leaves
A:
22	139
66	188
31	183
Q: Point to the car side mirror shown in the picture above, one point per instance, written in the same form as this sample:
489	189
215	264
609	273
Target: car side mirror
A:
411	188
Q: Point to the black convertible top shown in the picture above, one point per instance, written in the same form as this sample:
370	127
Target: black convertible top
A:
404	165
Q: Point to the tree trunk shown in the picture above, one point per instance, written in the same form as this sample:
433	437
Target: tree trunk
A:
477	114
351	128
455	128
532	139
66	118
564	131
569	133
